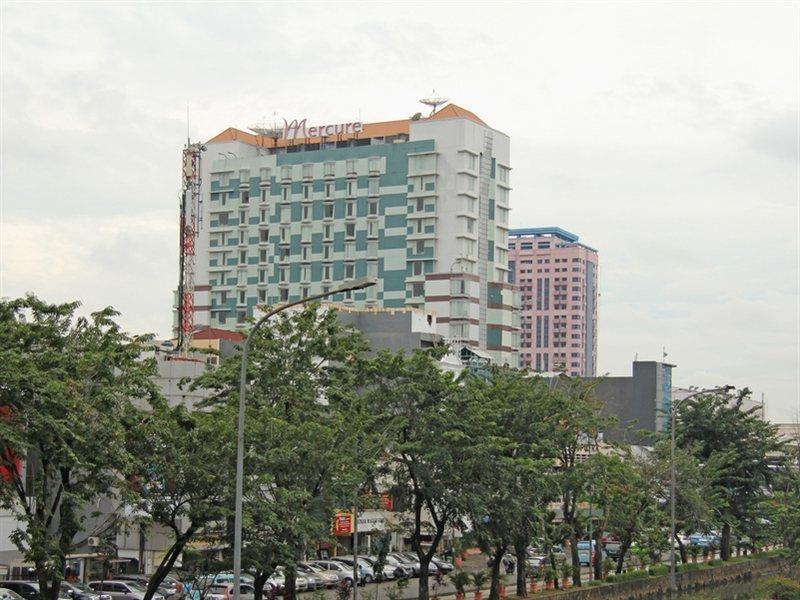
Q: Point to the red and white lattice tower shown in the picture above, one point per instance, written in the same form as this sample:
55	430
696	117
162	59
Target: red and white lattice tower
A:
190	198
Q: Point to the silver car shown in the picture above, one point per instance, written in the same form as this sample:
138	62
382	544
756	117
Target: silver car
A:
122	590
224	591
343	572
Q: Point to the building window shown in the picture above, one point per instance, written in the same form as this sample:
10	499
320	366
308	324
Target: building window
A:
349	271
326	272
307	192
329	190
285	191
350	209
417	290
420	204
243	257
262	256
351	188
263	235
374	165
349	230
327	251
264	194
245	196
328	211
373	207
283	294
329	168
374	187
308	171
223	218
372	229
327	232
420	247
351	167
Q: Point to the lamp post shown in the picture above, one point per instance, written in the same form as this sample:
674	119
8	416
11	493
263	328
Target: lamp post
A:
673	587
356	284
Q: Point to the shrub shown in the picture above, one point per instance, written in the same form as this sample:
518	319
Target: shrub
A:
611	577
594	582
630	576
689	567
715	563
658	570
781	588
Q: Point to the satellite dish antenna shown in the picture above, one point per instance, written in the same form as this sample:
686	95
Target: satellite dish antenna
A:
270	129
434	101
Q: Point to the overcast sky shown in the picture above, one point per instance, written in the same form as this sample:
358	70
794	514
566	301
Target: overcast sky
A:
665	135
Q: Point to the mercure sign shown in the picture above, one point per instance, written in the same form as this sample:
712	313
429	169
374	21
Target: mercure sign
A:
300	129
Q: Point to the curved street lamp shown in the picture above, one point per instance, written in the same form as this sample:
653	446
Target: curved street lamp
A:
356	284
673	587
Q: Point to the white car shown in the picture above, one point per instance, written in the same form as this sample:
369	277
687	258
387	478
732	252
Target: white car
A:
224	591
122	590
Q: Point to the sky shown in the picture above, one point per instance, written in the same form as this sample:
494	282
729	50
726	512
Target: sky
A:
664	135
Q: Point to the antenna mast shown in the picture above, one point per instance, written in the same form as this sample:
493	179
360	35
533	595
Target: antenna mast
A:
190	198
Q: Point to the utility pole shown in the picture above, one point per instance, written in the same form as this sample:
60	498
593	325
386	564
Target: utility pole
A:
355	546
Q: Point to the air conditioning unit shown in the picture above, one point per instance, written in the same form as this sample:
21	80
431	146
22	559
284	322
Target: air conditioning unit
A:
93	542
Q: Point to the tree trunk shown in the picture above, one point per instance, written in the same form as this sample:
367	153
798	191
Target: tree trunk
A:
168	562
576	559
424	562
497	564
623	550
725	544
258	583
681	549
598	556
521	552
289	589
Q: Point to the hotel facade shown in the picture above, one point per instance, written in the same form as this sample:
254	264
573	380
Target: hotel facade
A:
420	204
557	279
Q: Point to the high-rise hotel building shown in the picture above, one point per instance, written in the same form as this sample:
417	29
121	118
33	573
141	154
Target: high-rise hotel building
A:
557	279
421	204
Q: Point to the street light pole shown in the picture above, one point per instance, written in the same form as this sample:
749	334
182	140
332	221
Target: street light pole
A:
673	586
356	284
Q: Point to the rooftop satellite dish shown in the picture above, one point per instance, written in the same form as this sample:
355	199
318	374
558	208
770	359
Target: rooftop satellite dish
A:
268	129
433	101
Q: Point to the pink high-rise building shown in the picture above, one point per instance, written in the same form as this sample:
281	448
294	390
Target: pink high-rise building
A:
557	280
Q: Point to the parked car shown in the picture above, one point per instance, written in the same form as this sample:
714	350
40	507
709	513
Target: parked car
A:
6	594
612	549
402	570
586	557
80	591
225	592
364	567
329	578
315	582
344	572
29	590
388	573
704	540
170	587
442	565
122	590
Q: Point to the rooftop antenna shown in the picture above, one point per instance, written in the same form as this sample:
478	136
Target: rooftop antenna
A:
434	101
268	128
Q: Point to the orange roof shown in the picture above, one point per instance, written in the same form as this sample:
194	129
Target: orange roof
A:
453	111
212	333
382	129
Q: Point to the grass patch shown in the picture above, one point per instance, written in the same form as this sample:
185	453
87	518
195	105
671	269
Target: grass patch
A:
780	588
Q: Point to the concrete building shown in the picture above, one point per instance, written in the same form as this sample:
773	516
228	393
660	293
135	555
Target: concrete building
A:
557	279
421	204
640	402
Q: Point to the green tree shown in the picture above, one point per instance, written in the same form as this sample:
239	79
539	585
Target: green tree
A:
308	431
577	424
516	482
181	480
432	449
740	445
66	384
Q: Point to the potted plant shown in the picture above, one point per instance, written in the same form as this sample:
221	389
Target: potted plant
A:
533	575
549	578
478	579
566	573
459	579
